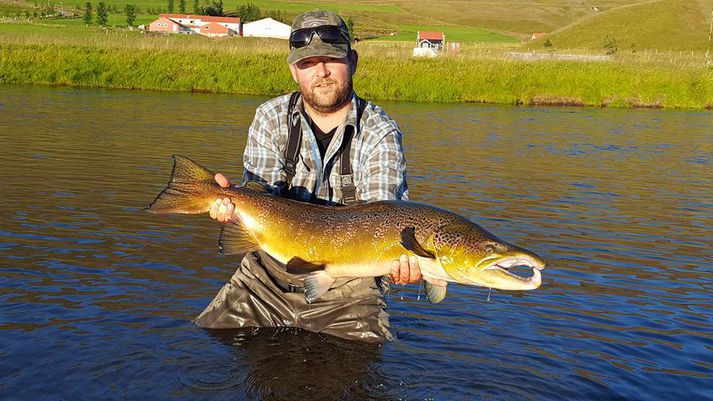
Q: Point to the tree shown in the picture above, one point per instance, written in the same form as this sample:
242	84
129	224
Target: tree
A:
182	6
215	9
170	6
249	12
88	13
197	7
102	14
130	11
277	15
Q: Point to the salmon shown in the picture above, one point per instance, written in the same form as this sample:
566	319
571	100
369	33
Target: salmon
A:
331	242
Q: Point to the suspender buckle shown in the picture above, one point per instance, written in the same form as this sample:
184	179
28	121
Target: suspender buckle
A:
346	180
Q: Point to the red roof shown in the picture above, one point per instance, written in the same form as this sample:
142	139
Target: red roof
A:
206	18
214	27
168	21
426	35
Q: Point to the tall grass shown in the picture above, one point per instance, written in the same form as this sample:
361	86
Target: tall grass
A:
122	59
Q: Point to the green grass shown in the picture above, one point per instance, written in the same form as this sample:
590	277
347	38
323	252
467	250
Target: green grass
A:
65	52
121	59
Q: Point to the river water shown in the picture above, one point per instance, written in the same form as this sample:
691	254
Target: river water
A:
97	296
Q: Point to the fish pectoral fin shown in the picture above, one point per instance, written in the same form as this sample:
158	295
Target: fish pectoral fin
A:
298	265
408	240
316	284
434	293
235	239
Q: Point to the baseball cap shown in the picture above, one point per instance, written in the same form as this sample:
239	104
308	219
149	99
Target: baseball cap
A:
308	23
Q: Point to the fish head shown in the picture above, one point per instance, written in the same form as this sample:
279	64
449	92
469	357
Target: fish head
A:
471	255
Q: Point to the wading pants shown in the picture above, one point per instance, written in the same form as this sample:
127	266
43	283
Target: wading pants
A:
255	298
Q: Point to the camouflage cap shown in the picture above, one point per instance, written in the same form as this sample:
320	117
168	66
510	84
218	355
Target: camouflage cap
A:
316	47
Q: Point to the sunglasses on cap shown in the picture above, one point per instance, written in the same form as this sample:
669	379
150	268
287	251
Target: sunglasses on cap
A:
327	34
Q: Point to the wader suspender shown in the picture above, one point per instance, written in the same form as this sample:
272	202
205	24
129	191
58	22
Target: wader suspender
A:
294	138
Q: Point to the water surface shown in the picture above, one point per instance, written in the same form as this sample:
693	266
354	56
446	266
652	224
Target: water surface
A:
97	296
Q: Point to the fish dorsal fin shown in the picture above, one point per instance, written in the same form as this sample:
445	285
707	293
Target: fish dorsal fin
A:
186	170
235	239
300	266
256	186
408	240
434	293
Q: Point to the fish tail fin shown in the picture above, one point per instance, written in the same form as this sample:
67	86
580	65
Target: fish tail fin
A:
186	190
316	284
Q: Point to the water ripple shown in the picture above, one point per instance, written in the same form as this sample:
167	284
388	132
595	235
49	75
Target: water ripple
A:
99	295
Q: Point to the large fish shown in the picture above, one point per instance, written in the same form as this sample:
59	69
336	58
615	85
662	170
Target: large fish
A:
352	241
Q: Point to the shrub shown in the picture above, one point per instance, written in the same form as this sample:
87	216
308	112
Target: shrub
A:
610	45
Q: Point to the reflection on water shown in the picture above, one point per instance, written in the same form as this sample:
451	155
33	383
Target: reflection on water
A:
289	364
97	297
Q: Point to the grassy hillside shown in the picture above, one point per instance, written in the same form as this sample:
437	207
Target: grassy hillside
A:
521	17
662	24
633	24
375	18
647	24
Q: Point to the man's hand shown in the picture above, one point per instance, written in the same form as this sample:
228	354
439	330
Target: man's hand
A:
222	208
406	270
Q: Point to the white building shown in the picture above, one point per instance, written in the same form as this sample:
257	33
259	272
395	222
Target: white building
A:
267	28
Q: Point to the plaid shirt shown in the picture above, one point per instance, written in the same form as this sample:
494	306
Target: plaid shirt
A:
376	155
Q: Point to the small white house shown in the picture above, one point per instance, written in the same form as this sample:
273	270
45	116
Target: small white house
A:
429	44
267	28
430	40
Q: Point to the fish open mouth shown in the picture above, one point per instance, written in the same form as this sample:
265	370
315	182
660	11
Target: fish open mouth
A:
515	273
521	268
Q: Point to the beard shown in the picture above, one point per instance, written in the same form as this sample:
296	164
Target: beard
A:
327	99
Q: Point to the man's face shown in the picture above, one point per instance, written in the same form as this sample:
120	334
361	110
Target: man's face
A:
325	82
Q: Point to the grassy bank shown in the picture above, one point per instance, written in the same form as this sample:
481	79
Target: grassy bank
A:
122	59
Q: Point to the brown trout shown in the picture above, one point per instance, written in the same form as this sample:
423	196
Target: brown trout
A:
351	241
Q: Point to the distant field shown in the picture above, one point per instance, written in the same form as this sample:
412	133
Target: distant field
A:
583	24
407	33
295	7
374	18
113	20
665	25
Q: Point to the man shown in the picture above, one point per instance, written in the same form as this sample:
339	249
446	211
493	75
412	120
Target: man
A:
324	145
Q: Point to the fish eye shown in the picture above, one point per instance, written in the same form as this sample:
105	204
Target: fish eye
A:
489	249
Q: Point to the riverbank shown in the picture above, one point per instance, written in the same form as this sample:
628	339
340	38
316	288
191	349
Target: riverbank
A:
386	71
